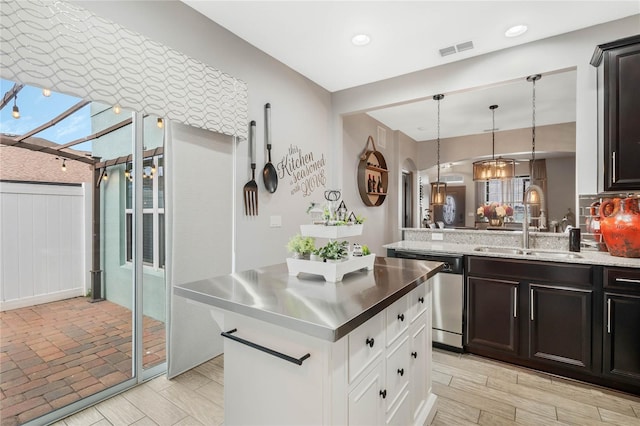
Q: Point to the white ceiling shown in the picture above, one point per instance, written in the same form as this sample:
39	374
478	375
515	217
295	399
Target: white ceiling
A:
314	38
468	113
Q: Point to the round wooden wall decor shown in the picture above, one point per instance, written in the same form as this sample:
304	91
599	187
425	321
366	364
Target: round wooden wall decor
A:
373	176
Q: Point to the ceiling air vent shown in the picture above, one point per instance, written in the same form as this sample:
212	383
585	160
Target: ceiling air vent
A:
467	45
446	51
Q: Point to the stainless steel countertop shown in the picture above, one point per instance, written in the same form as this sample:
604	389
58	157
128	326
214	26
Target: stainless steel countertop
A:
307	303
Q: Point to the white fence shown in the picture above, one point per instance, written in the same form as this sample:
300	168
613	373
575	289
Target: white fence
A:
43	244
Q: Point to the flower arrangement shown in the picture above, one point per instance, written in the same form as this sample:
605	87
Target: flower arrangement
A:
494	210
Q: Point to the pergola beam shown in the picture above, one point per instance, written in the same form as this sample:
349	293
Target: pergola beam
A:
11	93
52	122
5	140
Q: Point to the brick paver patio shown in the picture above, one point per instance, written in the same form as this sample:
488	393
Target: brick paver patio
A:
56	353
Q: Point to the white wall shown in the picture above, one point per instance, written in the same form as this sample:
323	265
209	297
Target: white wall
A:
42	244
301	115
199	177
561	186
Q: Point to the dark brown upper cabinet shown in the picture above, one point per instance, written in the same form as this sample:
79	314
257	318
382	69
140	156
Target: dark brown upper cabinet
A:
618	66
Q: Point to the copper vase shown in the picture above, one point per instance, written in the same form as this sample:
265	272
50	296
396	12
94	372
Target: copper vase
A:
621	230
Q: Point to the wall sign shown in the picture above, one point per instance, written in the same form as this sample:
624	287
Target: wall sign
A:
304	171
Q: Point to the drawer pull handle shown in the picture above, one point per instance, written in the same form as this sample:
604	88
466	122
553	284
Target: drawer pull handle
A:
414	354
627	280
401	371
401	317
298	361
421	299
608	316
370	342
383	393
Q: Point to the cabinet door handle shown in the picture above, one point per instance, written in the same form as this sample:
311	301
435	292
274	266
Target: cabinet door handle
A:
608	316
531	290
401	317
613	167
515	302
383	393
414	354
421	299
401	371
370	342
627	280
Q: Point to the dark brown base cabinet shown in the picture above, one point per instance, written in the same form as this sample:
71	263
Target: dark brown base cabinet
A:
577	321
537	314
622	324
560	325
492	315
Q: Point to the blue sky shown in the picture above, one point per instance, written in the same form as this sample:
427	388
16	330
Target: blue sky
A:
37	109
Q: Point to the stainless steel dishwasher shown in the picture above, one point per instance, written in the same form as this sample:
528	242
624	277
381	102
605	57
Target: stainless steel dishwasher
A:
448	299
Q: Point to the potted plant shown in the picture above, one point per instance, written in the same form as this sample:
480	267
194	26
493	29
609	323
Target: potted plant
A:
301	247
334	251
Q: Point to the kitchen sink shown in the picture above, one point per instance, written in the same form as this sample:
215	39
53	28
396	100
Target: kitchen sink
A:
556	254
528	252
504	250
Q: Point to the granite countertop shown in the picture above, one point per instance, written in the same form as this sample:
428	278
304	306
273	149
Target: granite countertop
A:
307	303
586	257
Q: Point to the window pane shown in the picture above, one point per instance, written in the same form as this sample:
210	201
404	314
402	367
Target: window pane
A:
161	240
147	184
129	236
129	188
147	238
161	182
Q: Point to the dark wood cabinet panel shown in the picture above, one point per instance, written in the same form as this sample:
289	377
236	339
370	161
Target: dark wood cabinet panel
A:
492	314
621	84
560	326
622	338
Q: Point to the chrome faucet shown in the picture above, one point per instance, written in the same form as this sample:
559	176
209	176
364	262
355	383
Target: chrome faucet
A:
525	220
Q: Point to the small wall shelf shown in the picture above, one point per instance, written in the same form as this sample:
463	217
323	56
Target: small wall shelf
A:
372	168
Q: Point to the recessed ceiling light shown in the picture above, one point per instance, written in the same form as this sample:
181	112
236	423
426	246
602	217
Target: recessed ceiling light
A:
516	31
361	40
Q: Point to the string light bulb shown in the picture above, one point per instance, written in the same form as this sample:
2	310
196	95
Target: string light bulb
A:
64	165
16	111
117	109
160	123
105	176
46	92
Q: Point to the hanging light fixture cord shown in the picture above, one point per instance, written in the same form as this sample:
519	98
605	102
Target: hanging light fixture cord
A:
493	131
438	156
533	79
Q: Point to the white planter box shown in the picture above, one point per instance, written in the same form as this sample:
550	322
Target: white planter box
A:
333	232
332	272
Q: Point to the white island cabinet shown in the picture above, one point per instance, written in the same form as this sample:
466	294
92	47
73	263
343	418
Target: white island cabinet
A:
302	351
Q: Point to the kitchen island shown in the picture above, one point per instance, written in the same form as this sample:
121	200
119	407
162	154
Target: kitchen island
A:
299	350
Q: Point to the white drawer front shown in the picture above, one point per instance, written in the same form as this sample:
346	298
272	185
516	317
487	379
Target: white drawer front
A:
365	345
397	319
417	301
398	370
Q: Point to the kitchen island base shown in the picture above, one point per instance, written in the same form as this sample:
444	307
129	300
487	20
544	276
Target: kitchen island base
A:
380	373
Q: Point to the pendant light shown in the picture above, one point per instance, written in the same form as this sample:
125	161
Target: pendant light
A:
438	189
533	197
496	168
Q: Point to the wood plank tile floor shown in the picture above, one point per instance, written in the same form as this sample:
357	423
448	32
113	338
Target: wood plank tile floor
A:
471	390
